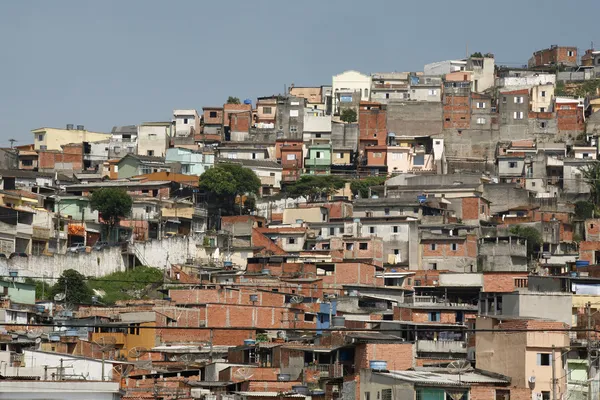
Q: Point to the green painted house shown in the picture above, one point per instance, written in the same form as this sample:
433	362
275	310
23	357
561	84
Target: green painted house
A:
18	292
318	160
134	165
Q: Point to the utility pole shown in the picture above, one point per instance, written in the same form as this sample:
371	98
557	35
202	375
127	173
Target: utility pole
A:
588	312
12	142
554	373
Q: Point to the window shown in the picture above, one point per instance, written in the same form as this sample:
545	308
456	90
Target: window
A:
504	99
532	184
386	211
433	246
419	159
291	156
363	246
543	93
341	230
518	115
40	138
27	163
366	92
293	113
518	99
150	153
291	240
482	209
340	155
317	135
565	107
481	104
387	95
309	317
293	129
318	154
395	229
396	251
266	110
432	92
294	103
331	231
386	394
377	155
372	230
543	125
212	114
480	121
545	395
570	53
454	247
369	214
367	396
185	121
543	359
434	316
512	164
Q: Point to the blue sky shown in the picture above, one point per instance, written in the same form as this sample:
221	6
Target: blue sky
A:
106	63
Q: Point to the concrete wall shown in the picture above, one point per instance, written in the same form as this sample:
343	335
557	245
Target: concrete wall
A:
153	138
414	118
344	136
553	306
502	257
154	253
504	196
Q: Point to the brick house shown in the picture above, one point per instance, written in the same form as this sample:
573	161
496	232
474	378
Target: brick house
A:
555	55
372	124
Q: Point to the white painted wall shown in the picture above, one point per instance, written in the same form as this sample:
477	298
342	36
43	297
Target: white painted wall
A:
72	390
351	81
153	138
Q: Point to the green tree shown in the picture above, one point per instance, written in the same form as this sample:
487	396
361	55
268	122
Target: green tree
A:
233	100
112	204
225	182
74	285
361	186
533	236
591	176
348	115
477	54
584	210
315	187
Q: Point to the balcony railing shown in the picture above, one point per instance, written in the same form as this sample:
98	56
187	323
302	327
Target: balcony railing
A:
441	346
317	162
24	229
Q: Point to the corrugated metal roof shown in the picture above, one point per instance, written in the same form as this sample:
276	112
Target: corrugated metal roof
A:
438	378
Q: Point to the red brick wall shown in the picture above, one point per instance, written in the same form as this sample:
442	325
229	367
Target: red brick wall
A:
587	249
556	55
501	282
72	154
372	125
457	112
240	122
569	120
352	273
409	314
399	356
592	229
471	207
489	393
380	160
230	109
215	120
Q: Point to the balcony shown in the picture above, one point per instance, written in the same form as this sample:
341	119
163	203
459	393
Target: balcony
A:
322	369
119	337
24	229
441	346
267	180
555	162
41	233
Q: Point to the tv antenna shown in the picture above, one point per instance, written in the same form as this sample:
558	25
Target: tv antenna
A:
105	345
12	142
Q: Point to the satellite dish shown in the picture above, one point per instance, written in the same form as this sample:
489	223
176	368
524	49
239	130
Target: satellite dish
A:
38	340
187	359
137	352
296	299
459	367
243	374
126	370
60	297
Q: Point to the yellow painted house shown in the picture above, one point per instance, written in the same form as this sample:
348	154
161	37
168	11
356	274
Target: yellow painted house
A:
54	138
